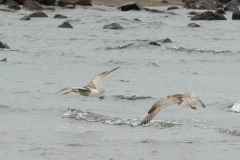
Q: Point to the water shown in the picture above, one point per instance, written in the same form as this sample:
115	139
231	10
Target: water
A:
36	123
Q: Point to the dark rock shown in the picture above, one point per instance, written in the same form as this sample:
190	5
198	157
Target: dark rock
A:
173	7
63	3
220	11
224	1
193	13
38	15
44	2
113	26
83	2
32	5
3	60
14	6
154	10
10	2
25	18
190	4
60	16
65	25
206	4
166	40
164	1
3	45
154	43
136	19
219	5
193	25
131	6
208	15
232	6
236	15
69	6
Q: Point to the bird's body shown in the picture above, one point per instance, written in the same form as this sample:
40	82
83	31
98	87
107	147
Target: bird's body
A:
188	100
91	88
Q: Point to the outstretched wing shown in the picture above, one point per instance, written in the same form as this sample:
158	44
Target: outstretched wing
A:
68	88
96	80
190	100
157	107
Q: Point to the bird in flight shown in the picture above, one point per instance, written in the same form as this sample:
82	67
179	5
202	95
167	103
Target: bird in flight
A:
91	88
187	100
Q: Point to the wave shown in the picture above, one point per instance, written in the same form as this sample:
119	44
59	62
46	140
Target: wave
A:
232	132
235	108
132	97
189	50
94	117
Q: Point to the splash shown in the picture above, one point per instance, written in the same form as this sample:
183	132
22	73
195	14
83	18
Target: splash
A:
232	132
132	97
189	50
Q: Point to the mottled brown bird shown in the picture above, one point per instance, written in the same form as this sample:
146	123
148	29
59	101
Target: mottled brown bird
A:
91	88
187	100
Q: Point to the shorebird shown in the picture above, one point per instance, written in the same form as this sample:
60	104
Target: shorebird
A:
91	88
187	100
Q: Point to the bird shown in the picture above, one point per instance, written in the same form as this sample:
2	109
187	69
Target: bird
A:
91	88
187	100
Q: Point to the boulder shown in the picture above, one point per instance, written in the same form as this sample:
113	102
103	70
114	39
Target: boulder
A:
232	6
154	10
166	40
69	6
193	13
190	4
3	60
59	16
3	45
208	15
32	5
131	6
164	1
10	2
193	25
206	4
38	15
14	6
154	43
45	2
113	26
83	2
25	18
173	7
63	3
236	15
220	11
65	25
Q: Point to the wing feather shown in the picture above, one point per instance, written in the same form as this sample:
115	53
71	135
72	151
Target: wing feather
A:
157	107
96	80
86	89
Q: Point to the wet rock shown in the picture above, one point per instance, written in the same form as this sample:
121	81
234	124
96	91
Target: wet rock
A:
173	7
166	40
14	6
63	3
164	1
131	6
69	6
59	16
219	5
206	4
3	60
154	10
32	5
3	45
236	15
190	4
208	15
65	25
44	2
220	11
83	2
232	6
25	18
136	19
224	1
193	13
38	15
10	2
193	25
116	26
154	43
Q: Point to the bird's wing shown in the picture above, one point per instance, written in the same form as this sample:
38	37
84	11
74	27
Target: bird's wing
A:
201	103
157	107
86	89
96	80
190	100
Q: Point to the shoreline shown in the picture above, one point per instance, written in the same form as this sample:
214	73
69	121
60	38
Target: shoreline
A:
142	2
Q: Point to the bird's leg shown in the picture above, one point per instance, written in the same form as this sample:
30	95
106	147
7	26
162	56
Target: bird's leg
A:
194	108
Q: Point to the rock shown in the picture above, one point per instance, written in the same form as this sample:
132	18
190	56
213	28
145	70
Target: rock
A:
236	15
154	10
83	2
204	4
44	2
14	6
173	7
190	4
63	3
232	6
208	15
166	40
65	25
219	5
131	6
164	1
224	1
3	45
25	18
32	5
69	6
38	15
193	13
220	11
154	43
59	16
136	19
193	25
10	2
3	60
113	26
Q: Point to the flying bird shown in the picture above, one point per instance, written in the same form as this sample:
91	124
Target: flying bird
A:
187	100
91	88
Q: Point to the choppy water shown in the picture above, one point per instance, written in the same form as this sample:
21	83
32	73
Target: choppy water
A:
36	123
